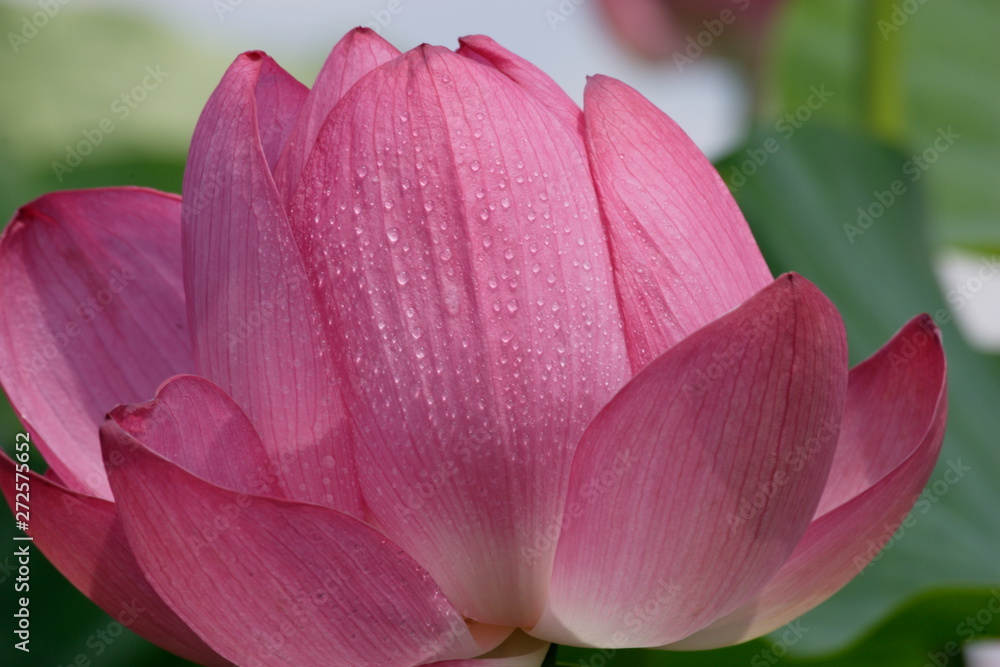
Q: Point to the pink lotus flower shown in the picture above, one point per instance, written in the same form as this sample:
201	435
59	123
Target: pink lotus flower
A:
444	368
682	30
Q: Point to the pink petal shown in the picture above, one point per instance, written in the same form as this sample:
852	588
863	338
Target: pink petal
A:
889	440
520	650
682	252
250	304
93	315
533	80
648	550
83	538
357	53
648	26
278	99
229	453
269	581
470	311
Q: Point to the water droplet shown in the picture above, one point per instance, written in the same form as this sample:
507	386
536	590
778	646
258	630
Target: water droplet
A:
357	208
505	202
512	306
402	277
474	165
428	205
506	336
487	241
508	254
484	215
388	204
393	234
551	278
361	171
446	254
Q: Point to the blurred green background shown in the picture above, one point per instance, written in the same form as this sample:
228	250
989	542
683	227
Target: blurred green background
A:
895	78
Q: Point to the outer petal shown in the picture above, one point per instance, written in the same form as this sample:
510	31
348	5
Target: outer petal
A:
359	52
253	318
648	550
682	252
891	435
648	26
533	80
228	451
520	650
471	312
268	581
83	537
93	315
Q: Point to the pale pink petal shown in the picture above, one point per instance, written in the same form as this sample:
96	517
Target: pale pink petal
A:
275	582
470	311
649	550
648	26
228	452
93	315
682	252
520	650
357	53
83	538
528	76
889	440
250	305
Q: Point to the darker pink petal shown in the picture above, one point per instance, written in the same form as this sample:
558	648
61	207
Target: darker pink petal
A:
83	538
722	417
275	582
250	305
890	438
470	311
682	252
93	315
